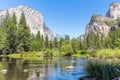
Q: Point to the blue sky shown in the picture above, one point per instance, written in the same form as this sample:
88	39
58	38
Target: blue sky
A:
64	16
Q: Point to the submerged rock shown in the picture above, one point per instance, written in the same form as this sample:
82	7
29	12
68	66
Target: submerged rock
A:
25	70
69	68
4	71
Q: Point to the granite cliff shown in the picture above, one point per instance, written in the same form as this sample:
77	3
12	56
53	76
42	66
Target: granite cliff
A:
34	20
101	25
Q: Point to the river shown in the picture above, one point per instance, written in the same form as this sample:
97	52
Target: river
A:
48	69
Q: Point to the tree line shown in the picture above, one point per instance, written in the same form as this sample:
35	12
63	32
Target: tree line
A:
17	38
97	41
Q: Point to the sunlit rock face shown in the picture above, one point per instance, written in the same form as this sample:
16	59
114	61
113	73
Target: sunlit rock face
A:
114	11
97	25
101	25
34	20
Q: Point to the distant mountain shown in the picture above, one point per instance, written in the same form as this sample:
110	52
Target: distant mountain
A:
114	11
101	25
34	20
81	37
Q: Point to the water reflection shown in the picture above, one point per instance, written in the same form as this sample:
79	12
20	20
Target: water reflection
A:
48	69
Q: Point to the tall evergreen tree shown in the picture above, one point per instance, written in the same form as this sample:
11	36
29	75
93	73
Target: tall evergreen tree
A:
46	42
75	45
11	34
23	35
55	42
3	34
3	41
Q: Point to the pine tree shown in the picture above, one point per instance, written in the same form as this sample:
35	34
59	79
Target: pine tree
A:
61	42
3	34
51	44
23	35
46	42
11	34
3	41
75	45
55	42
38	41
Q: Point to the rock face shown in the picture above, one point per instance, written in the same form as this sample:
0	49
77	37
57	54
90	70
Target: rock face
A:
97	25
101	25
48	32
114	11
34	20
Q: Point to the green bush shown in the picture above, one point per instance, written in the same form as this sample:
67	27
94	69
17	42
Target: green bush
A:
108	53
48	53
66	50
111	23
55	52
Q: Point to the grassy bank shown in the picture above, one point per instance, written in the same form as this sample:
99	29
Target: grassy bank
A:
27	55
36	55
103	69
103	53
107	53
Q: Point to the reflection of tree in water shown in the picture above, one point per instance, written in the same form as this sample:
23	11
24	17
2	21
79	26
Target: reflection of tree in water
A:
41	73
15	70
10	68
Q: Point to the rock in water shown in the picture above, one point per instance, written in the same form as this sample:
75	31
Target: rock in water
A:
69	68
4	71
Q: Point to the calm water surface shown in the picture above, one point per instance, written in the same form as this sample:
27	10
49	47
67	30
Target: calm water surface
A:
47	69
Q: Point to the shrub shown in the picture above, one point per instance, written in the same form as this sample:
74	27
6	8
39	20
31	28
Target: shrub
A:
111	23
108	53
48	53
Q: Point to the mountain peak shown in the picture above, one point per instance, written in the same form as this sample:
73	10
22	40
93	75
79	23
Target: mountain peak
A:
102	25
115	3
21	6
114	10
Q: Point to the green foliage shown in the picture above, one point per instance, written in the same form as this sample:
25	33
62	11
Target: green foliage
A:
111	23
36	42
94	41
46	42
112	41
103	70
11	34
117	42
108	53
28	55
67	50
55	42
48	53
3	42
17	38
23	35
75	45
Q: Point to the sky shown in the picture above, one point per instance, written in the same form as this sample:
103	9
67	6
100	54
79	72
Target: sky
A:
64	16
